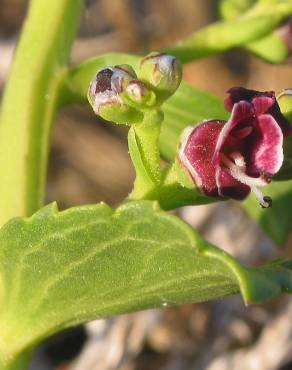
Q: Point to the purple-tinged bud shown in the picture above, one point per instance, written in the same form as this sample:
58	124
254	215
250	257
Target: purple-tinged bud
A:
230	159
162	72
106	91
103	80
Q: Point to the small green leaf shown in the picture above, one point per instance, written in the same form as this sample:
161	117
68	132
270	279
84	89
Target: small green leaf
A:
59	269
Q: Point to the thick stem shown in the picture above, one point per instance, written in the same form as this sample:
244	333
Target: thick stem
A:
30	101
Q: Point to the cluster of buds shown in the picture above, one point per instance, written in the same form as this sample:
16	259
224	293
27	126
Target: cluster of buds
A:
120	95
231	158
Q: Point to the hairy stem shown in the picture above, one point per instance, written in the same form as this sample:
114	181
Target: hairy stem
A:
30	101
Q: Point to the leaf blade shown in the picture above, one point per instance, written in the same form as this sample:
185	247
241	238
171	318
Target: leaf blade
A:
59	269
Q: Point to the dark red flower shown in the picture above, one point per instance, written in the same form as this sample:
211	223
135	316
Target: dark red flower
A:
230	159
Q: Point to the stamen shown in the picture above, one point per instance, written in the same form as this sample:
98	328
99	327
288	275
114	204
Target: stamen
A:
238	173
236	170
265	201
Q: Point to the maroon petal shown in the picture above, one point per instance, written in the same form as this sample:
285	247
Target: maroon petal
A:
103	80
266	155
240	112
196	152
282	121
230	187
237	94
262	104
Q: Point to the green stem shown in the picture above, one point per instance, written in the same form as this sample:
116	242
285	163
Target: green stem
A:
255	24
272	48
30	102
144	151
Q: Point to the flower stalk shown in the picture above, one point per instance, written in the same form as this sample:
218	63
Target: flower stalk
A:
143	148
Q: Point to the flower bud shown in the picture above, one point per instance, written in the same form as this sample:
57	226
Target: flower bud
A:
138	96
284	99
131	90
106	91
162	72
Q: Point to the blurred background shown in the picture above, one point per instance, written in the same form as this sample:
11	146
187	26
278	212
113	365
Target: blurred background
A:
89	162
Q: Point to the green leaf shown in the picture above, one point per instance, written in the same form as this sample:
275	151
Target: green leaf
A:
59	269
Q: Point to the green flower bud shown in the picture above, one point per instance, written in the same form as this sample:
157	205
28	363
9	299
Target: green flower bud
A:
162	73
105	95
284	99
